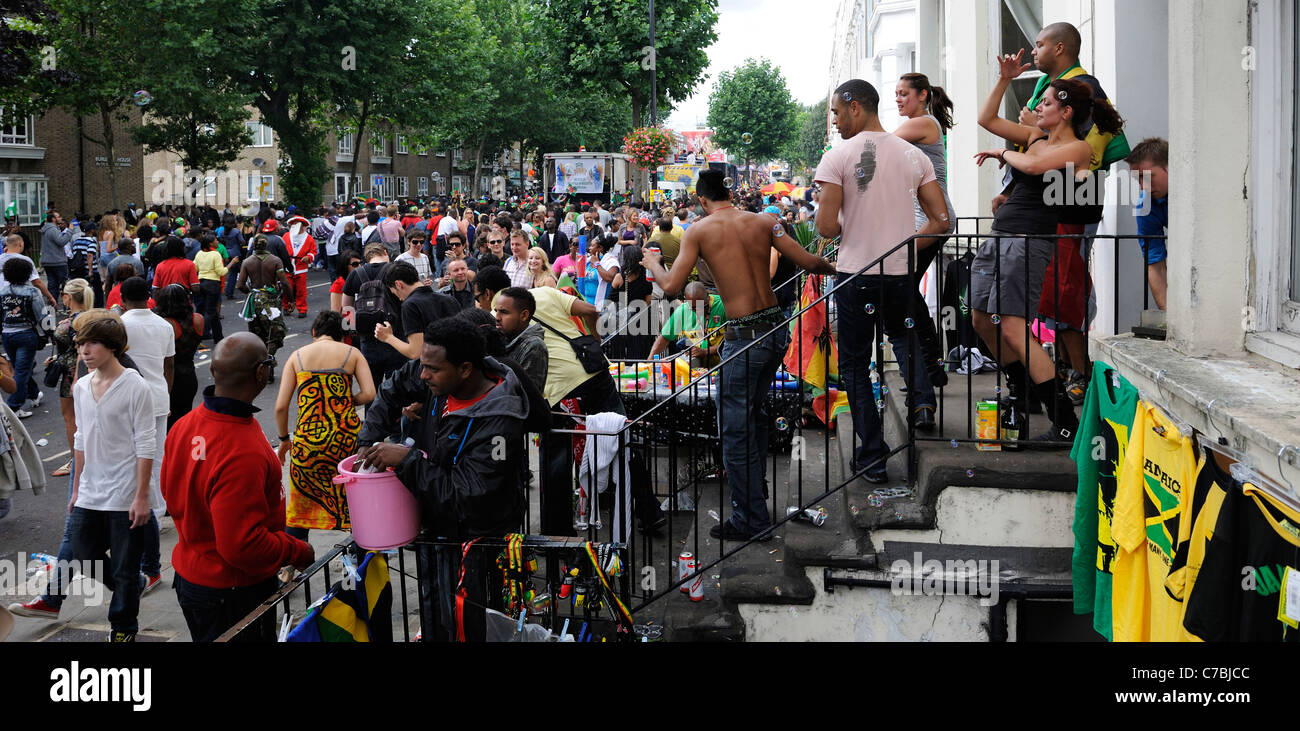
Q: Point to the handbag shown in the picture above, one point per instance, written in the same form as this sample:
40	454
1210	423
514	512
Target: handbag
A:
585	347
54	373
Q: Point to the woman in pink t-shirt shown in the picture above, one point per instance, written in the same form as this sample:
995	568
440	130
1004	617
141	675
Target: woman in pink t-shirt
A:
572	263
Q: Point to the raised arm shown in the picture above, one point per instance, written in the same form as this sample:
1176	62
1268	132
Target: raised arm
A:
672	282
1009	67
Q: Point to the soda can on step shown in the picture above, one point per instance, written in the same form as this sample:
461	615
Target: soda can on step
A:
685	567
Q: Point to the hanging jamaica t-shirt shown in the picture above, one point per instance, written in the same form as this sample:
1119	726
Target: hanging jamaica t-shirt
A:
1236	597
1099	453
1159	462
1202	512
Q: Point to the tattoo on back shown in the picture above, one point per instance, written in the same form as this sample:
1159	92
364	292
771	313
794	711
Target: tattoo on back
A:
866	165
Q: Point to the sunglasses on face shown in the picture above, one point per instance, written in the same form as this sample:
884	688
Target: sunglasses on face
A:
354	263
496	241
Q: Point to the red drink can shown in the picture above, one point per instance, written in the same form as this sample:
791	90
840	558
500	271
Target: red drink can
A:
694	587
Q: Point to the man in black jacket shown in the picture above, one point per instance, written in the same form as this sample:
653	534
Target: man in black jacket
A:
553	241
465	470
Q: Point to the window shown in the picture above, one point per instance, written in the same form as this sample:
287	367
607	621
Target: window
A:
421	186
210	187
15	130
379	146
403	187
345	144
261	134
461	183
442	153
261	187
29	196
457	156
422	150
381	186
401	144
1020	23
341	186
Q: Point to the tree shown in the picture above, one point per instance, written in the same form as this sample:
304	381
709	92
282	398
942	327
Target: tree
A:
751	112
98	67
26	56
607	43
196	111
806	150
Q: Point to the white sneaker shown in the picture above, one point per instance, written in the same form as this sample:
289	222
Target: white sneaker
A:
21	414
40	396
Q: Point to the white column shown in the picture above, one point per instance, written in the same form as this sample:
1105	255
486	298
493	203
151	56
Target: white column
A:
1209	164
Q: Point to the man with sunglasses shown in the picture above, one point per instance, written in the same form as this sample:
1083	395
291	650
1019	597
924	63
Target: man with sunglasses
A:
223	488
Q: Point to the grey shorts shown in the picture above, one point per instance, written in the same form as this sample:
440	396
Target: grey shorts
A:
1006	277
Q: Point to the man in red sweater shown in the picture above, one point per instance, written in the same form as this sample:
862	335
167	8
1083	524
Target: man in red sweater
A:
223	487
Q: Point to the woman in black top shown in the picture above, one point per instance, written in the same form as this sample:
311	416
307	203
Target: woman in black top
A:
632	292
1007	273
174	306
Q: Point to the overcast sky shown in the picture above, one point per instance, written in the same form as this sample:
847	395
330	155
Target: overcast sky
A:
794	34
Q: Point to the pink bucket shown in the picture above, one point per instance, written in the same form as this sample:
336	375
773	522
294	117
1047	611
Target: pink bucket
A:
384	513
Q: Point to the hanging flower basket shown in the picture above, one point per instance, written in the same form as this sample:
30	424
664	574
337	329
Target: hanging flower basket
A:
648	147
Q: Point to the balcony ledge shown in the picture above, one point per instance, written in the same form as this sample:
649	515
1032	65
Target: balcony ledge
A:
21	152
1256	400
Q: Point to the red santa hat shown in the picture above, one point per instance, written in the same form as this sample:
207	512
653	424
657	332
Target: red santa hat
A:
297	219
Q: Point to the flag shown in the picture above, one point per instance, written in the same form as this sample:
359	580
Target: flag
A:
812	352
11	210
839	405
346	613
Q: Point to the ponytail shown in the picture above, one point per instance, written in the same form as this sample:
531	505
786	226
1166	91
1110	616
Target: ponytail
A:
80	289
937	99
1078	96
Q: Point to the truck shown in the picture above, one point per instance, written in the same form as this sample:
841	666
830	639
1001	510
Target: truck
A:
587	176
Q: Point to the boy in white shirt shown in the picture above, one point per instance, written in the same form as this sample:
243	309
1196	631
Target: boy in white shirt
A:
415	254
114	450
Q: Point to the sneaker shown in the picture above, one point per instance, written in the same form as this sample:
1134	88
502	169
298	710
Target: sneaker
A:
37	608
22	414
923	418
40	396
1076	387
728	532
121	637
149	583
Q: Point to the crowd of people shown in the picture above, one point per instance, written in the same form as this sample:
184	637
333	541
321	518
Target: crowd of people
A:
456	327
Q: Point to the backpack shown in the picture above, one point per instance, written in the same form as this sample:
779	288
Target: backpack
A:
374	238
371	305
18	313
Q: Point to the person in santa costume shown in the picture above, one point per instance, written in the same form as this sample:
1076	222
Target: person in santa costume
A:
302	250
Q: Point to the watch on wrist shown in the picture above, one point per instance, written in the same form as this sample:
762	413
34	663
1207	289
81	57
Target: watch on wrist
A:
284	438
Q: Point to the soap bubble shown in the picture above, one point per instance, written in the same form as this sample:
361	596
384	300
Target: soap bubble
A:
874	500
747	138
954	444
970	473
861	173
728	182
996	319
142	98
782	424
870	308
909	322
778	230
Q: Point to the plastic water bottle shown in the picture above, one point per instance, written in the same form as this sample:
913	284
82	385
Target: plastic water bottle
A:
41	562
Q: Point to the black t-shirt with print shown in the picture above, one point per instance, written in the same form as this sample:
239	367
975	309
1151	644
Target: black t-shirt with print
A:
1235	598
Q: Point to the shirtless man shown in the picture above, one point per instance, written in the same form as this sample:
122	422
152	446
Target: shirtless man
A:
261	273
737	246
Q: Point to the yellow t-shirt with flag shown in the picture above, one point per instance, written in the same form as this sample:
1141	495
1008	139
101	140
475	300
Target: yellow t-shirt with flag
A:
1159	468
1201	510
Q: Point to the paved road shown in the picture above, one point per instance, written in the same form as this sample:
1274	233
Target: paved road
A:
36	522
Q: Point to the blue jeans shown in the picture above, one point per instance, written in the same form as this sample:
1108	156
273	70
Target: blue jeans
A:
20	348
231	276
94	532
207	302
891	298
57	274
742	422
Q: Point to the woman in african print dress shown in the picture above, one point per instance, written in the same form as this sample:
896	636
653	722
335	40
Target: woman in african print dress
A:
327	424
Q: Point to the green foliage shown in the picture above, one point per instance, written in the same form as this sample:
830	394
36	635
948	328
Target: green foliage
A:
753	99
196	112
806	150
602	42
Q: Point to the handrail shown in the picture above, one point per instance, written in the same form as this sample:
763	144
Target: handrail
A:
833	252
878	262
